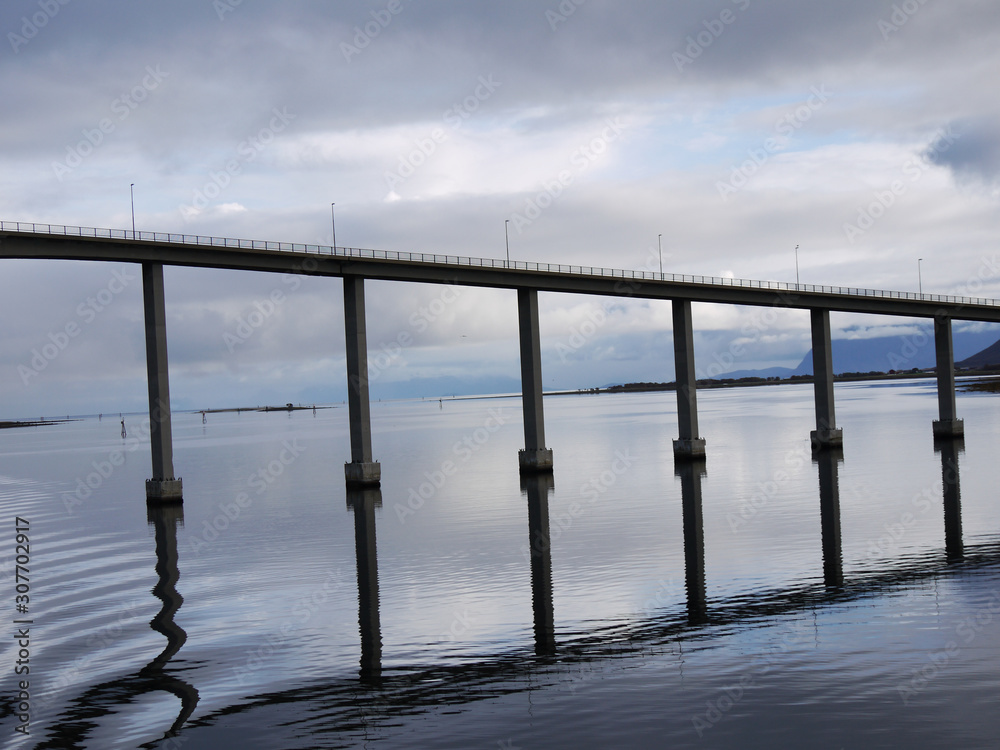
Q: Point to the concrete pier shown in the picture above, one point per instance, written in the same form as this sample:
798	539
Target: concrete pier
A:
826	434
948	425
688	444
163	486
362	470
535	456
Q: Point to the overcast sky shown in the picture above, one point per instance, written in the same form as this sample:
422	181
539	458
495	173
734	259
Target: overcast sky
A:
863	131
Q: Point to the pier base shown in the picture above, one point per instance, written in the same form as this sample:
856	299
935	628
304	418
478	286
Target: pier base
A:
949	428
689	448
164	490
536	460
824	439
363	473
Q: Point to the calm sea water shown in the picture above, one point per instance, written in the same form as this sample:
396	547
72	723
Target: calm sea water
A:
764	599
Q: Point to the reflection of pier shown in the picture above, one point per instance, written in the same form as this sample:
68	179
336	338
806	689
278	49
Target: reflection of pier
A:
364	502
74	725
537	487
949	450
829	514
691	474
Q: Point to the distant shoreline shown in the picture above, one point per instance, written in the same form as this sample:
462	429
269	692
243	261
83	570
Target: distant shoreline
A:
989	382
33	423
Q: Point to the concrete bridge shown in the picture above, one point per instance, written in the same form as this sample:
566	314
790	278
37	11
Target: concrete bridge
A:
153	250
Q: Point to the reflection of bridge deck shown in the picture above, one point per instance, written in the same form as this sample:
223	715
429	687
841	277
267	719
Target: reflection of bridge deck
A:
155	249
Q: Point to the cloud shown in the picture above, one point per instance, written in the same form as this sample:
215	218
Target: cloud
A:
970	148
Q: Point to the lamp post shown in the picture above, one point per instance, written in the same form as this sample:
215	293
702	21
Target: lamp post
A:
131	192
659	247
920	278
333	225
796	265
506	235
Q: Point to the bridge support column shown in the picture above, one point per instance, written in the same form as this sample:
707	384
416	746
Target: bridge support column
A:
688	445
362	470
949	425
163	486
535	456
826	434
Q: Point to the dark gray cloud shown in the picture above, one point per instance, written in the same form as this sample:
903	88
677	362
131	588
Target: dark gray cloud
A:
970	148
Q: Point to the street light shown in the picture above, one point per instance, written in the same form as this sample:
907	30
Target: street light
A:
659	247
333	224
920	278
131	192
506	235
796	265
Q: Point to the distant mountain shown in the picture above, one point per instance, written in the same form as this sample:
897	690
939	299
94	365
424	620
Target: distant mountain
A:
894	352
987	358
768	372
886	353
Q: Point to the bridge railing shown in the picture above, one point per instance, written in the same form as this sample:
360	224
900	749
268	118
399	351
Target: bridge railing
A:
461	260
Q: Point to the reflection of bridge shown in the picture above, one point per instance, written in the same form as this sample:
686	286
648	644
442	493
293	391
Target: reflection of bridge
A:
82	715
338	707
154	250
347	704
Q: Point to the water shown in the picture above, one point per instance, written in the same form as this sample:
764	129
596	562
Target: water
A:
275	611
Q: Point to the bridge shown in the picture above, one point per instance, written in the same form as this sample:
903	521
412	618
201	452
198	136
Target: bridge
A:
153	250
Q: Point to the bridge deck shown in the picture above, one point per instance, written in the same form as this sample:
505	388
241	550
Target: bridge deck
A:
48	241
